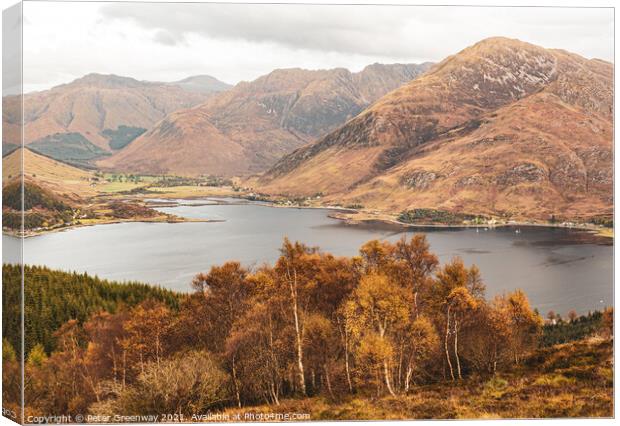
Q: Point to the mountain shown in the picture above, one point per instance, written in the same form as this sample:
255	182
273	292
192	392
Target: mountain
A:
93	105
202	84
247	128
503	127
68	182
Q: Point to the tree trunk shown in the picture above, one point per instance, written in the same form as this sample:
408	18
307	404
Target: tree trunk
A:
346	359
291	379
386	372
446	343
300	360
274	360
236	382
328	382
87	378
298	340
456	348
400	365
274	394
408	375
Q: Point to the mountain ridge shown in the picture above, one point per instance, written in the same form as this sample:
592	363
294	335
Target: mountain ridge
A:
92	104
260	120
502	127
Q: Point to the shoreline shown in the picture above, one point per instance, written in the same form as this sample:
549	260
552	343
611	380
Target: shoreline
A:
343	214
397	223
30	234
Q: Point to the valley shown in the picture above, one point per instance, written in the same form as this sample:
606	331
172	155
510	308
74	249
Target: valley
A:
94	198
59	196
248	128
463	139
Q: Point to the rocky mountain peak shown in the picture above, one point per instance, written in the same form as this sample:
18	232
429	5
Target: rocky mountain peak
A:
266	118
502	126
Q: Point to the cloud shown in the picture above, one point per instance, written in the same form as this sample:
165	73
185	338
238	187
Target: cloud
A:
345	29
167	38
235	42
380	31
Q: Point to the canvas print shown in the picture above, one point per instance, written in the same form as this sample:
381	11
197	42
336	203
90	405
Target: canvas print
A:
218	212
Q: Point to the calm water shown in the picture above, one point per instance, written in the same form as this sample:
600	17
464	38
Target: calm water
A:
559	269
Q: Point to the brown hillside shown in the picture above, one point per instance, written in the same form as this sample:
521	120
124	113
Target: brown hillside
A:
92	104
248	128
190	140
60	178
503	127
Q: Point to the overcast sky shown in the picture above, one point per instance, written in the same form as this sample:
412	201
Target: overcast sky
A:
232	42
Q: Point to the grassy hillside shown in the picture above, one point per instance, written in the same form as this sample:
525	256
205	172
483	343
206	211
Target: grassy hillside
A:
55	297
60	178
568	380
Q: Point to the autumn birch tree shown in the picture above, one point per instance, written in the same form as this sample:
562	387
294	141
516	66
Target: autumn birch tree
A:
418	264
378	306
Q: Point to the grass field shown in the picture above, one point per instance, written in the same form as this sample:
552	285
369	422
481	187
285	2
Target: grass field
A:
110	183
193	191
113	186
569	380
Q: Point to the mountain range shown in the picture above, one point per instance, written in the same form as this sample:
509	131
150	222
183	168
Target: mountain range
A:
503	127
97	107
249	127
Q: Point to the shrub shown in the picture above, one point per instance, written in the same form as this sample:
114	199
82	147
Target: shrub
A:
554	380
495	387
189	383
